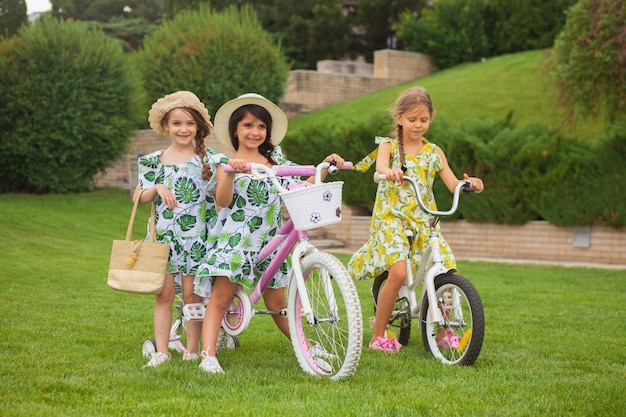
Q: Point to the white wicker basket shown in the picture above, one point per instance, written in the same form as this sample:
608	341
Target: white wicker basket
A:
314	205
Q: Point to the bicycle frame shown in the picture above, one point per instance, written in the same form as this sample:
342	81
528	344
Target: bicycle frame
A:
431	265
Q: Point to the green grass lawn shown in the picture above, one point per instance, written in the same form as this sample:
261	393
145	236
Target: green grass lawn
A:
71	346
487	90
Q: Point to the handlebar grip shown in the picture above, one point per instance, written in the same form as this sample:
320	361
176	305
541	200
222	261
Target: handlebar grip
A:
467	187
379	177
228	168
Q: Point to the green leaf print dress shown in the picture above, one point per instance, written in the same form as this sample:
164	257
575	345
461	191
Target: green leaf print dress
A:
396	210
243	229
185	227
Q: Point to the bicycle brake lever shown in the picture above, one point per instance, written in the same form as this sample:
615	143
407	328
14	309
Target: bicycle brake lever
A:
332	169
467	187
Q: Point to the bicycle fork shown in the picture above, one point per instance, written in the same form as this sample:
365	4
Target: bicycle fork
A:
430	268
302	249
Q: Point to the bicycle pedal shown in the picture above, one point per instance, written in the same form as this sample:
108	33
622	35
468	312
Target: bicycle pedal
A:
193	311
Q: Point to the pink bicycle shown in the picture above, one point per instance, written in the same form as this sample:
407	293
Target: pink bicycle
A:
323	307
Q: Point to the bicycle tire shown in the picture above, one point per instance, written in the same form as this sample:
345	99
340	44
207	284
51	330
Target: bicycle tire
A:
470	332
338	332
400	316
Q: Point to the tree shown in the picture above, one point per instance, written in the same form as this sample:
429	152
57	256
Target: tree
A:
451	33
70	98
218	56
12	15
375	19
522	25
590	59
107	10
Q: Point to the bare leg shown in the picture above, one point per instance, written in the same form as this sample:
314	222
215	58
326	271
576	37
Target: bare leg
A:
275	300
194	327
163	315
387	298
221	295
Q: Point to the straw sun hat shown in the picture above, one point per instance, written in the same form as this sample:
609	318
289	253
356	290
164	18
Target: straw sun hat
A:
174	101
222	117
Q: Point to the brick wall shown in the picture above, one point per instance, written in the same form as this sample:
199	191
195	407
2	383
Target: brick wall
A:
338	81
536	240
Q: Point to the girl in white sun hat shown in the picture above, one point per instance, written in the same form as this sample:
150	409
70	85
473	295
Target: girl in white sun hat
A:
253	127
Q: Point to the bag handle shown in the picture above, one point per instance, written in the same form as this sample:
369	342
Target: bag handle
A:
129	231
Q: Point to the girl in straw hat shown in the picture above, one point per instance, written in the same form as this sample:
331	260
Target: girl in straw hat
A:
179	180
253	126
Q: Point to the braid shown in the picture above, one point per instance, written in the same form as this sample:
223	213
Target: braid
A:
400	145
201	152
409	99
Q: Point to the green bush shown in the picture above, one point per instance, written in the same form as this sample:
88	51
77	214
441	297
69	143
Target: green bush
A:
451	33
605	197
69	99
218	56
522	25
456	31
529	172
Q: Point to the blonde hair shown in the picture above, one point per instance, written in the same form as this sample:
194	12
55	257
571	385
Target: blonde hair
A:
409	99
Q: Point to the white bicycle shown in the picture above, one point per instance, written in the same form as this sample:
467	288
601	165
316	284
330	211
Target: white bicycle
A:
449	309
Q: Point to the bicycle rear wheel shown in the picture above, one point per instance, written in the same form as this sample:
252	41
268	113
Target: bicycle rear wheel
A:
330	345
460	339
400	316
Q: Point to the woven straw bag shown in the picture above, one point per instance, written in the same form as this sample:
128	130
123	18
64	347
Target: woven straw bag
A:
138	266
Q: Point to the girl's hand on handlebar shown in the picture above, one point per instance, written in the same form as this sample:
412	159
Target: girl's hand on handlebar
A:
238	165
395	174
338	160
476	183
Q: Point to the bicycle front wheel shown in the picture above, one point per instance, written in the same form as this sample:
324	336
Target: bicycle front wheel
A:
460	339
330	343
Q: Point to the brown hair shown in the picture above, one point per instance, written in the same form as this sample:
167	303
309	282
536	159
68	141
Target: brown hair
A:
408	100
201	133
260	113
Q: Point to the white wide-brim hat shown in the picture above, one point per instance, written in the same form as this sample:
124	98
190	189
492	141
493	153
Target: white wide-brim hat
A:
179	99
222	117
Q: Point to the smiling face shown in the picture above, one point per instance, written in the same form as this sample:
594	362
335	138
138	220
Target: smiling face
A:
415	122
251	132
181	126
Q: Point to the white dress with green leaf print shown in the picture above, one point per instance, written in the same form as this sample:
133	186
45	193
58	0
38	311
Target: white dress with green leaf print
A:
185	227
244	228
396	210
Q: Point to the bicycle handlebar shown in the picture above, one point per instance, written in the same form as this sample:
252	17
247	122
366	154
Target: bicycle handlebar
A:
463	185
261	171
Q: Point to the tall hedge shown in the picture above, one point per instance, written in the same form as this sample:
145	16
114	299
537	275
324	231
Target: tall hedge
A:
530	172
218	56
590	59
69	106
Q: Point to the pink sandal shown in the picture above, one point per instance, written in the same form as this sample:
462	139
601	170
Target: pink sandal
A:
386	345
449	341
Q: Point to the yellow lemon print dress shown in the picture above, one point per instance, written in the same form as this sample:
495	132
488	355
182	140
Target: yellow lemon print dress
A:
396	210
